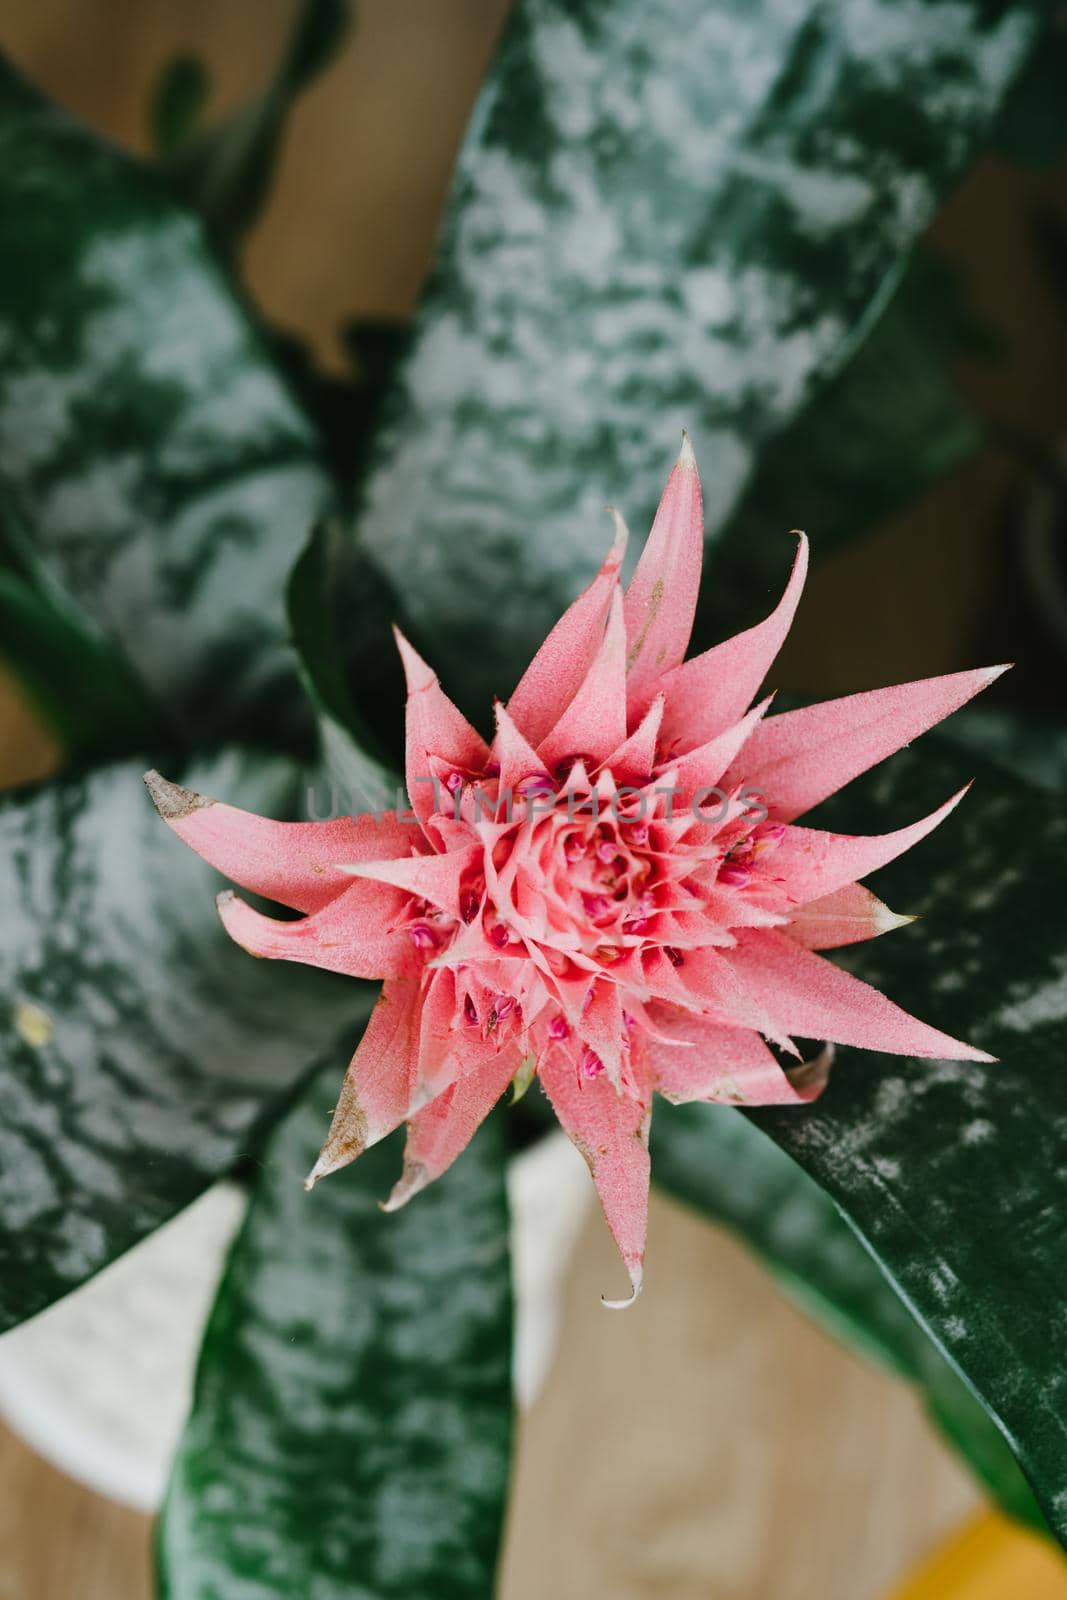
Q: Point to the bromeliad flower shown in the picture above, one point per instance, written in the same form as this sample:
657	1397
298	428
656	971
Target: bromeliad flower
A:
612	897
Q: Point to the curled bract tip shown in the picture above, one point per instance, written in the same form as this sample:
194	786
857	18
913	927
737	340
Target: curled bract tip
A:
809	1078
637	1278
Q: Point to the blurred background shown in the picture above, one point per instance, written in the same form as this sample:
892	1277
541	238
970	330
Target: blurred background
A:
783	1467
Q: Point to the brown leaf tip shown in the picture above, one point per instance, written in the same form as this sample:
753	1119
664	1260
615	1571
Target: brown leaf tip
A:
170	799
348	1137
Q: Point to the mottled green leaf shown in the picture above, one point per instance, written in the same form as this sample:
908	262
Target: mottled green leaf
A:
1031	747
953	1173
664	215
351	1428
1032	128
320	602
227	172
140	1049
159	464
715	1160
77	679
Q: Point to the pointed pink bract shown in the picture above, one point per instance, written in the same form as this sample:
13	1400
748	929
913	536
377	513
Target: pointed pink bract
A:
594	723
351	934
445	1127
799	758
611	1132
661	600
707	1061
846	916
380	1088
436	732
553	677
291	862
811	997
713	690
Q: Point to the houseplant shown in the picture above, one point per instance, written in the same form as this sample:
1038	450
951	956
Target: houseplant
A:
166	448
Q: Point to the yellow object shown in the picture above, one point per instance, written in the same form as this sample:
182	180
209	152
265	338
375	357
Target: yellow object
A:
33	1025
992	1559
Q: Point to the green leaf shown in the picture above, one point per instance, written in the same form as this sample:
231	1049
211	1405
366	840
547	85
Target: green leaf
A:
139	1048
77	679
1032	128
715	1160
663	216
162	470
953	1172
344	408
1030	746
352	1422
71	676
878	435
320	601
177	106
226	173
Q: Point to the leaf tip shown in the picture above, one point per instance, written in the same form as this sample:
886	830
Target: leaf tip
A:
170	799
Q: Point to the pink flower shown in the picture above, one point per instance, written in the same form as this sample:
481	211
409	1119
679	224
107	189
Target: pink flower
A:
613	894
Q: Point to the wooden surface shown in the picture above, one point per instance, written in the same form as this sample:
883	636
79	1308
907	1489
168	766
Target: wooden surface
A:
709	1443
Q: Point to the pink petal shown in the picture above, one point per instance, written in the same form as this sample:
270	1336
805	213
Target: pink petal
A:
812	864
435	878
797	759
811	997
513	754
707	980
291	862
380	1086
713	690
661	600
435	728
847	916
594	724
351	934
711	1062
636	756
602	1028
444	1128
557	671
704	767
449	1048
611	1132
